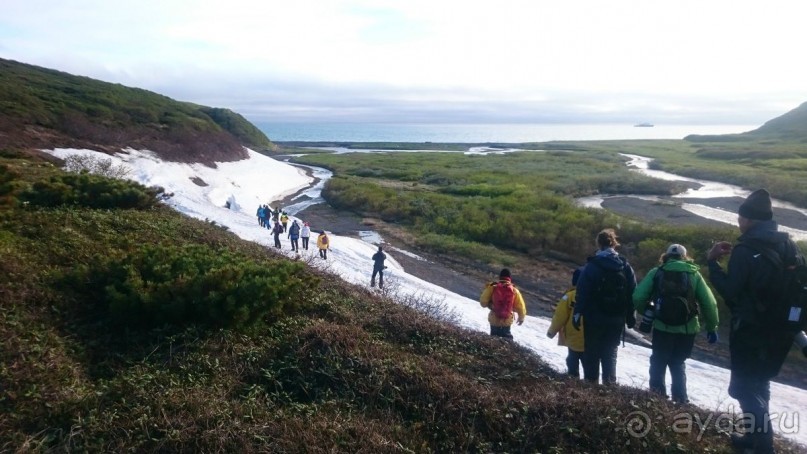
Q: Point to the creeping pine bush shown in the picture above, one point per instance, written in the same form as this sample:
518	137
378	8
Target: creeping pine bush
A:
90	191
175	285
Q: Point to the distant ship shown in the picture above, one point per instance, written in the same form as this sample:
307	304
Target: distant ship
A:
643	125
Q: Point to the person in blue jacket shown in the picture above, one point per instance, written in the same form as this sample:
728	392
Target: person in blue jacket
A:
606	313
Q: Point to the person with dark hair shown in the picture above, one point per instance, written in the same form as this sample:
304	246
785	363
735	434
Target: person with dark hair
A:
679	298
294	235
378	267
502	297
757	346
604	299
277	229
562	323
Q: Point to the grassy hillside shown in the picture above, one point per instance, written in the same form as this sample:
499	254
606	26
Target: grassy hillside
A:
142	330
45	108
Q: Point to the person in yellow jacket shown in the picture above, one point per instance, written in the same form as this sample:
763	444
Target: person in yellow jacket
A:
323	244
502	297
562	323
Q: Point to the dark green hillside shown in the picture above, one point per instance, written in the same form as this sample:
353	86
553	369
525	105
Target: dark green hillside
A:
141	330
45	108
790	127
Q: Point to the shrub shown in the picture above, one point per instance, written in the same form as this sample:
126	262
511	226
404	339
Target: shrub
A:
90	191
189	284
93	164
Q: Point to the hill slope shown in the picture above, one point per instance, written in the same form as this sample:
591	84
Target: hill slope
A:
44	108
790	127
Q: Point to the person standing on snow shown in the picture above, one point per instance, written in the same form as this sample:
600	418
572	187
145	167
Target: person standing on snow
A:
305	234
323	244
758	342
276	231
680	298
603	297
503	298
378	268
562	323
294	234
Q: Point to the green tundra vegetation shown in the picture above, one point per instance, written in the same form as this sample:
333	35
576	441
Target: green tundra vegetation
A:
135	328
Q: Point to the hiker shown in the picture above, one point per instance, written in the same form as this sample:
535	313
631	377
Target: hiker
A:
378	267
677	297
294	235
276	231
503	298
758	344
261	213
323	244
603	298
284	219
305	234
562	323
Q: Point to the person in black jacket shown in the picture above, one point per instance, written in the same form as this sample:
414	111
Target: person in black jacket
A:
757	348
378	267
605	317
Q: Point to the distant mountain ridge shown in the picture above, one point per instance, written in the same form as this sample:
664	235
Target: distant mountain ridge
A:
792	126
45	108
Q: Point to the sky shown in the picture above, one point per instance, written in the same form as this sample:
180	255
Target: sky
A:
425	61
242	183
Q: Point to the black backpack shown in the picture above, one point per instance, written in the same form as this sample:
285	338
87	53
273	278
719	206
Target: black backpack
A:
785	306
674	297
611	292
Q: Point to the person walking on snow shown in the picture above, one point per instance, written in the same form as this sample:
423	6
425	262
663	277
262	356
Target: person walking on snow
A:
284	219
503	298
757	345
603	298
276	231
378	268
562	323
323	244
305	234
294	234
680	299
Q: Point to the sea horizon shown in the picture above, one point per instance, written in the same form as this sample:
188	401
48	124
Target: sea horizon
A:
483	133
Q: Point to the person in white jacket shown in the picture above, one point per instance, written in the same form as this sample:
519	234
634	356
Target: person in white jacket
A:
305	234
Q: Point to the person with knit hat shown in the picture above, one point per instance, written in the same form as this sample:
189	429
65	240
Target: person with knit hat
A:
679	300
503	298
757	348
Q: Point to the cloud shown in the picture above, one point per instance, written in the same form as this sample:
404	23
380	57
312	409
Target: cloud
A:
509	60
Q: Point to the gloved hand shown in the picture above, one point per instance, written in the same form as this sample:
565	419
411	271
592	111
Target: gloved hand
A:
550	334
630	321
576	320
712	337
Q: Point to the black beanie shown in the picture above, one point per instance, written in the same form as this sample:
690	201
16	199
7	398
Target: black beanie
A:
757	206
504	273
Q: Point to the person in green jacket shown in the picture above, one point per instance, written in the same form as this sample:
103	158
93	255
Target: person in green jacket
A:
678	298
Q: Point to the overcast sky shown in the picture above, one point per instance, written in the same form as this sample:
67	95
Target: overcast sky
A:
446	61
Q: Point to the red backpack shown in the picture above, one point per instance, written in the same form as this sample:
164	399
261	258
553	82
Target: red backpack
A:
504	296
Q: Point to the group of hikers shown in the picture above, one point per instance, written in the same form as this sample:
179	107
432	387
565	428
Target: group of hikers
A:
277	222
673	300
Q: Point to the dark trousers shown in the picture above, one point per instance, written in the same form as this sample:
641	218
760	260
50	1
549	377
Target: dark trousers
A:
380	272
573	360
501	331
601	341
277	240
305	242
323	253
670	350
294	245
754	393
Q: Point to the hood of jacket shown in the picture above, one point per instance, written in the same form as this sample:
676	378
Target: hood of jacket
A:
766	232
608	259
680	265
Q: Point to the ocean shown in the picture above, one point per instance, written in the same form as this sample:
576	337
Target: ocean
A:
481	133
